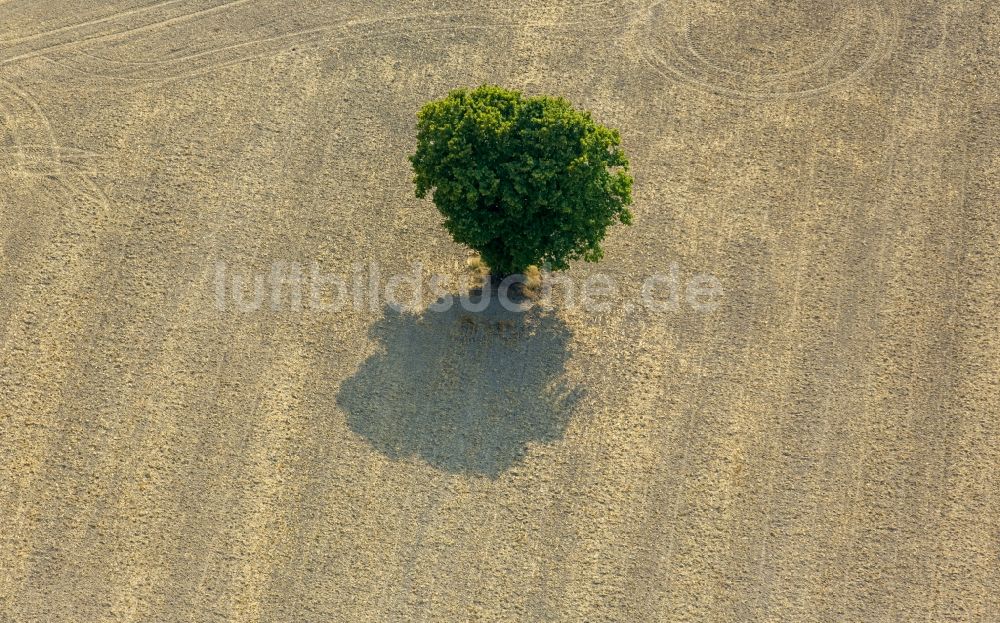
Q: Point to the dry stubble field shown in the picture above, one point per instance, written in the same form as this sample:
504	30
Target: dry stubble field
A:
822	447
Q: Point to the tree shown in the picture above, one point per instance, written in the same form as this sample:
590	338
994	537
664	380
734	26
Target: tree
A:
522	180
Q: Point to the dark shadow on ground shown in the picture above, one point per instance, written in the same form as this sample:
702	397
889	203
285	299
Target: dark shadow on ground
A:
465	391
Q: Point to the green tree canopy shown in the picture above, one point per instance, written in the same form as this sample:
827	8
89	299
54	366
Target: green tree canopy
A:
522	180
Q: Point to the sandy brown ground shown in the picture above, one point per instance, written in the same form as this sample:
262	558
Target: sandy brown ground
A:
825	446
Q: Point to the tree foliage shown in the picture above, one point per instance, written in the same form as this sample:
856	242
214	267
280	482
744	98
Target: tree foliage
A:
522	180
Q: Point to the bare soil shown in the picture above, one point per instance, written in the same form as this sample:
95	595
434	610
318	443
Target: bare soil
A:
823	446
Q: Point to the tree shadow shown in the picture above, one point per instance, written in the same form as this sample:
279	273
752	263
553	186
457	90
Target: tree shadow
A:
465	391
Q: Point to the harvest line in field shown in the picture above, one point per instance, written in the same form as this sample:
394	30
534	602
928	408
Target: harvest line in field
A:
400	22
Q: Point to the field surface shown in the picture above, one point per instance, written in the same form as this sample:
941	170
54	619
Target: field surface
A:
822	446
